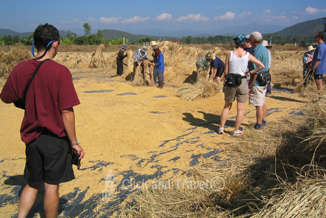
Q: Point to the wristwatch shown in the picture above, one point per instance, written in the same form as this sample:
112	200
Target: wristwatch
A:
75	143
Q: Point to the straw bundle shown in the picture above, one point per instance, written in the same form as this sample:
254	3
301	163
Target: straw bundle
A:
306	199
202	89
97	59
142	75
9	60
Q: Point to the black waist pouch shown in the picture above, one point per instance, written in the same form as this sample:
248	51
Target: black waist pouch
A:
264	78
232	80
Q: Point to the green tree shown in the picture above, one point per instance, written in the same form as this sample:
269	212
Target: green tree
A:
82	40
27	40
144	39
119	41
99	34
93	40
70	35
87	29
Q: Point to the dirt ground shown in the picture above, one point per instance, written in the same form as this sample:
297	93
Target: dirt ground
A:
132	136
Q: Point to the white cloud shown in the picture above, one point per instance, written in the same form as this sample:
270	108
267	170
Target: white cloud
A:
193	17
109	19
91	19
135	19
295	17
72	21
164	16
226	16
268	11
311	10
244	14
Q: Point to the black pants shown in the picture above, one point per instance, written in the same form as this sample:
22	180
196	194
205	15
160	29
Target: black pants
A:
119	67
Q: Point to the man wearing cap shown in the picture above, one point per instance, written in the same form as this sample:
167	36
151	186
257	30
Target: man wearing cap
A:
319	61
268	46
217	65
257	93
307	59
120	58
140	55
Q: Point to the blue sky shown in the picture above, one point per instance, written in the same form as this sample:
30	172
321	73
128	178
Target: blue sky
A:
135	16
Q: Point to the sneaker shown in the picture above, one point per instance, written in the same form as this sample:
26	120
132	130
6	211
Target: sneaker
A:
258	127
220	131
237	133
264	123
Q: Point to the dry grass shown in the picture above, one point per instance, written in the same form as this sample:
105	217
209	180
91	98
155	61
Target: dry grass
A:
280	172
9	60
202	89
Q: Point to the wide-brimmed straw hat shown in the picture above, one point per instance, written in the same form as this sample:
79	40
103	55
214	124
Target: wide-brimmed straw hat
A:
265	43
154	43
310	48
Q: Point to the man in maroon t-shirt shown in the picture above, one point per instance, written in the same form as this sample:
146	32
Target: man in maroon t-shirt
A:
48	127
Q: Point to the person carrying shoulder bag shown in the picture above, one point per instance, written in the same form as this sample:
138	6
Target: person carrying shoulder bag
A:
235	67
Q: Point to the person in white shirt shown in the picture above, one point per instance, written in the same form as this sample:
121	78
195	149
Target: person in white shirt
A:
236	64
140	55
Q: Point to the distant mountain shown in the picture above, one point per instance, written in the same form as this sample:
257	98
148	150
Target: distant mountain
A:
247	29
114	34
7	32
307	28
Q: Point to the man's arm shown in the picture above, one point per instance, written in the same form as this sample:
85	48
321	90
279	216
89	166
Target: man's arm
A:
214	73
317	62
68	118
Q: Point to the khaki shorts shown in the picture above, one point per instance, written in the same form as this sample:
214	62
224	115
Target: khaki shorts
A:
237	92
257	96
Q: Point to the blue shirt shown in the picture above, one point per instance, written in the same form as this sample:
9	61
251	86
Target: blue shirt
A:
261	53
217	63
320	54
159	62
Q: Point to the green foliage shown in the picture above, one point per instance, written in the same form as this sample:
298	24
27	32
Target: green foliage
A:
88	40
99	34
276	39
144	39
71	35
118	41
27	40
93	40
9	40
87	29
81	40
67	41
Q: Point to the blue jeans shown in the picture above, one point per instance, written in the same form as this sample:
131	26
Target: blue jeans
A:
155	74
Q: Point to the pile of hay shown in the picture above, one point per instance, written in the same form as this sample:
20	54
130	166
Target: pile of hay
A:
97	59
9	60
202	89
143	74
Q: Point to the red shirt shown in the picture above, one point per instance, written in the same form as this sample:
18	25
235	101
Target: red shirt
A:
50	92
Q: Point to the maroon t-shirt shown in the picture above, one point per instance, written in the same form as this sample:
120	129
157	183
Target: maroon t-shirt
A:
50	92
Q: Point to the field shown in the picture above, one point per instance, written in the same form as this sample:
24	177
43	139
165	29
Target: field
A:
151	154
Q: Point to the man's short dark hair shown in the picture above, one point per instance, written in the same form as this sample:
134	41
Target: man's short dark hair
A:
43	34
321	35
